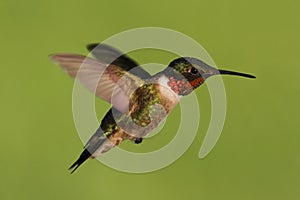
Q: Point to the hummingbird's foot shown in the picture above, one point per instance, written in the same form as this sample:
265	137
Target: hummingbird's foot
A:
138	140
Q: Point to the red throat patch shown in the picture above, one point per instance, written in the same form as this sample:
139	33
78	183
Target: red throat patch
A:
183	87
180	87
198	81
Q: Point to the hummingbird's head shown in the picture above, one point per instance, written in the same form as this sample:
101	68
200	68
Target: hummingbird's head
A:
186	74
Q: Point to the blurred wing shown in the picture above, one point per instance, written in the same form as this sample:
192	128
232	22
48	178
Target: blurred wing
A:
110	55
109	82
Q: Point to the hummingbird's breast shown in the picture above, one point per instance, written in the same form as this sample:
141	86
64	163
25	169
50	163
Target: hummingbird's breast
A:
169	98
149	105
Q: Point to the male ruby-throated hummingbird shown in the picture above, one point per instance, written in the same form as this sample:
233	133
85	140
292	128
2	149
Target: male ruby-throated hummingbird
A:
139	101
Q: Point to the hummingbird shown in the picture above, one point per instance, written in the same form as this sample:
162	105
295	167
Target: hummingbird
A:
140	101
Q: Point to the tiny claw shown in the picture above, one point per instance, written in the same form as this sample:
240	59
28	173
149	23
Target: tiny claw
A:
138	140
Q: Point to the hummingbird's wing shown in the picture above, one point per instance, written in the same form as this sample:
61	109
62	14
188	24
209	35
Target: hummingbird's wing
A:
110	55
109	82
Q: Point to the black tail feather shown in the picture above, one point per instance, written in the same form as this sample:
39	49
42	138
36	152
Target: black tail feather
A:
96	140
83	157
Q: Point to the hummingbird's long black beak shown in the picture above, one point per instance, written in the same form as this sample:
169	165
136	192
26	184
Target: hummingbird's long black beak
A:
236	73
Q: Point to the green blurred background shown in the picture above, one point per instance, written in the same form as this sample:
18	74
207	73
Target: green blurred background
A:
257	156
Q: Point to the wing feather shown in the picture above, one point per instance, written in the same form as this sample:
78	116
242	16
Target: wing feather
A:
109	82
110	55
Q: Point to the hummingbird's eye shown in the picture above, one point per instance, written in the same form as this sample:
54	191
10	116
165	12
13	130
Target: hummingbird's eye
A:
193	70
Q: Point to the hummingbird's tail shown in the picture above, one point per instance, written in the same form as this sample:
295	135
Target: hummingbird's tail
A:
98	140
95	142
83	157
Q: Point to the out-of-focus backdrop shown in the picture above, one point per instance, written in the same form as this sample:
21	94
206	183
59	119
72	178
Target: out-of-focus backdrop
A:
257	156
